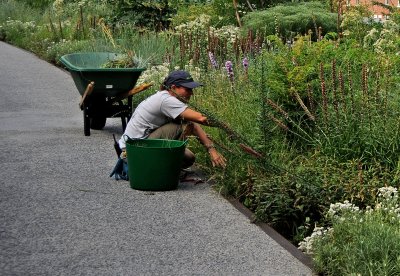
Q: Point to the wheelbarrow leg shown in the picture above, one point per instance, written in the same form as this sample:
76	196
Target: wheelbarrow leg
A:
83	105
124	120
127	111
86	121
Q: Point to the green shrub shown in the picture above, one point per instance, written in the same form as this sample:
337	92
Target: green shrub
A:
291	19
18	32
151	15
38	4
191	12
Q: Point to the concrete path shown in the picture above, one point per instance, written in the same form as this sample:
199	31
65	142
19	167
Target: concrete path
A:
61	214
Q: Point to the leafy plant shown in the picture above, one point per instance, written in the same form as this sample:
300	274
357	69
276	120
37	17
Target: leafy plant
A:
359	242
354	24
187	13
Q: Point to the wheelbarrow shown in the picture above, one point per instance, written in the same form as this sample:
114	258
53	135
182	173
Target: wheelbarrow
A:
106	92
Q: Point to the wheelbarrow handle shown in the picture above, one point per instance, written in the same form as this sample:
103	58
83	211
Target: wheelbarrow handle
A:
133	91
88	91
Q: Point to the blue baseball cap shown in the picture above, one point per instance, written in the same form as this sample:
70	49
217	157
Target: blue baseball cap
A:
181	78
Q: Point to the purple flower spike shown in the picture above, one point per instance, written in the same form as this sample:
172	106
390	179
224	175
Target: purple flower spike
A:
229	69
246	67
212	60
245	63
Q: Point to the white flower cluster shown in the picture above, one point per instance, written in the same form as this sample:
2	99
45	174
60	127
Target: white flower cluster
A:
157	73
337	209
18	24
154	74
383	41
200	23
371	37
193	70
82	3
230	33
307	244
388	204
58	6
388	193
63	8
52	46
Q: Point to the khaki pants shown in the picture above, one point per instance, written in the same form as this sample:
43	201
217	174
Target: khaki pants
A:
176	131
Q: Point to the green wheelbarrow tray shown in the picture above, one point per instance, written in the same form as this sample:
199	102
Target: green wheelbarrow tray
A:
107	86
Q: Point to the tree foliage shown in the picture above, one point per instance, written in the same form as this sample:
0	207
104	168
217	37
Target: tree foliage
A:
148	14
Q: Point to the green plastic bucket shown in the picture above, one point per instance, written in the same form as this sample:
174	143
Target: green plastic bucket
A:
154	164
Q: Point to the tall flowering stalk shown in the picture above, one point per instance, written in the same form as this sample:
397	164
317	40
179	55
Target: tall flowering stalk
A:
303	106
229	70
365	82
323	91
377	85
310	97
212	59
334	88
278	122
342	90
350	80
277	108
276	26
246	67
182	47
364	85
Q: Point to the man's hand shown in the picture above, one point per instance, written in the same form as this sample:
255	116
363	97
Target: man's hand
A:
216	158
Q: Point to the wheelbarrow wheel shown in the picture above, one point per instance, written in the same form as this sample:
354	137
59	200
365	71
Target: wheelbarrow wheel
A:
98	122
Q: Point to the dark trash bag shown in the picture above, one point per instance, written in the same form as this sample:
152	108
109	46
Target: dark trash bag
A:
120	171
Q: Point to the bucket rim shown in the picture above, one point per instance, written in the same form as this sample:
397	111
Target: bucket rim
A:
131	141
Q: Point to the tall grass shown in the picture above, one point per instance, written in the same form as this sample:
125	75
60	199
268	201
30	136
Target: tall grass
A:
351	116
11	9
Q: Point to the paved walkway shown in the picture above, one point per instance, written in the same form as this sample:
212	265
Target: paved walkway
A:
60	213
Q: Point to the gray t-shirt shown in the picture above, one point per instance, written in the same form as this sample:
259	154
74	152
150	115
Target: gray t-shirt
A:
155	111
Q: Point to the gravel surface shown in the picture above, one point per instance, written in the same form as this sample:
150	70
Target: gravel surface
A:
61	213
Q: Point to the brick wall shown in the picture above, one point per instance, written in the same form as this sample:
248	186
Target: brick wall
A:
379	12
